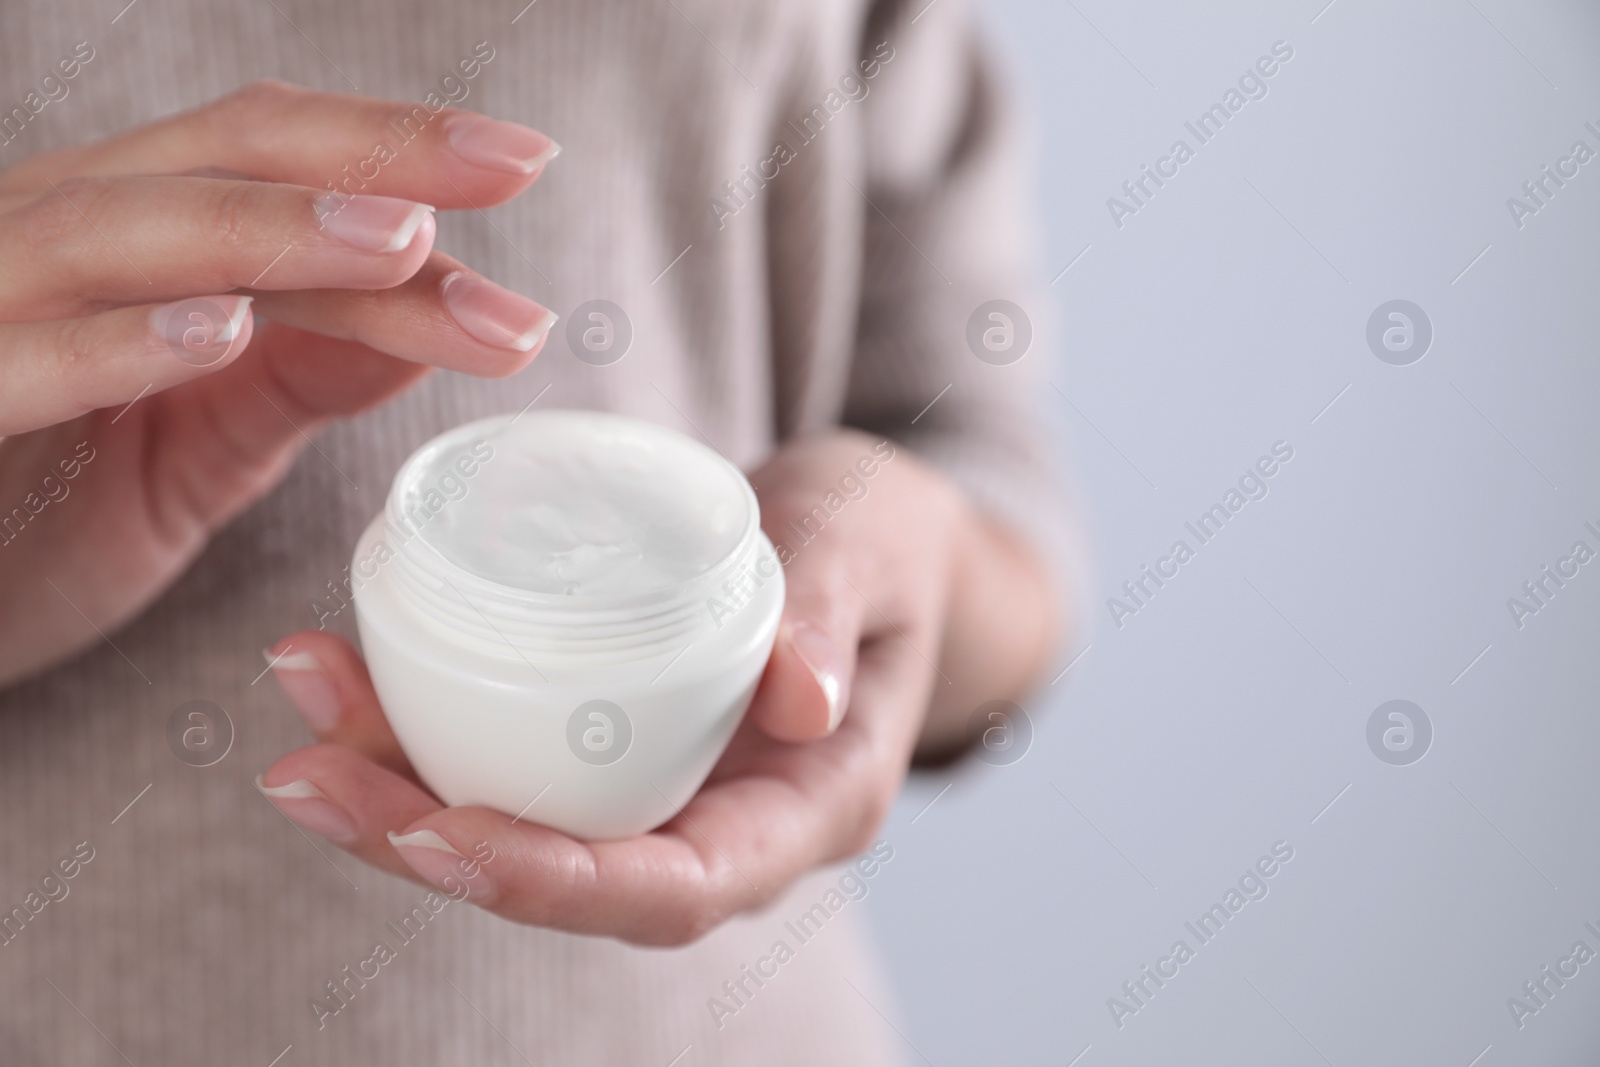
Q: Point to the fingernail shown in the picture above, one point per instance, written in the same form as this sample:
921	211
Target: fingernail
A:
371	223
442	864
425	839
503	146
308	806
494	315
201	330
302	679
816	650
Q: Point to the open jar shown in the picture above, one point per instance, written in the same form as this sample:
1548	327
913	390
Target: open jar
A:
565	616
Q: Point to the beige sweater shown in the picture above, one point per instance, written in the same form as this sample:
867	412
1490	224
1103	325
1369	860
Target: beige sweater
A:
836	288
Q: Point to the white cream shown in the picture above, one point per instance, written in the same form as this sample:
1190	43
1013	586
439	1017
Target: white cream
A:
569	605
580	504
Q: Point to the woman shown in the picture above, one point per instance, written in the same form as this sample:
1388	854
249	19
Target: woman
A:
222	330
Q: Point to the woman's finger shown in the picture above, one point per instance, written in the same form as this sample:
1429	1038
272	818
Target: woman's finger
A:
59	370
276	132
805	689
444	315
328	682
334	791
91	243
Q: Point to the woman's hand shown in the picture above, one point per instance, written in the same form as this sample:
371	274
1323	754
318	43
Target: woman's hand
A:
141	406
904	567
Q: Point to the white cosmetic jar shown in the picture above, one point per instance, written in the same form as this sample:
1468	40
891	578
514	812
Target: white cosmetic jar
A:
565	615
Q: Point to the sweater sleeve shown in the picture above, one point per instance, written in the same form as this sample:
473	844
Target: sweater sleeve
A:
954	345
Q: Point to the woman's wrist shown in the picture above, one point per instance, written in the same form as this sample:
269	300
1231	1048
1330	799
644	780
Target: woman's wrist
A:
1002	624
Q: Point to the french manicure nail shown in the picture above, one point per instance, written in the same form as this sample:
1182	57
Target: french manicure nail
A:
308	806
201	330
424	839
301	678
290	661
503	146
371	223
816	650
494	315
442	864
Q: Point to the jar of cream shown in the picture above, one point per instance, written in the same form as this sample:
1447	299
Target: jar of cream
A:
565	615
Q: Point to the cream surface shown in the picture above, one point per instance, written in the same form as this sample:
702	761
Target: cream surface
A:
578	503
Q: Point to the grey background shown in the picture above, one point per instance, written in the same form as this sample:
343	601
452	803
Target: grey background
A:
1225	716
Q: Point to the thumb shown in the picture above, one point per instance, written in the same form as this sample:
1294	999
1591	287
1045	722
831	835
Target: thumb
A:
805	689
